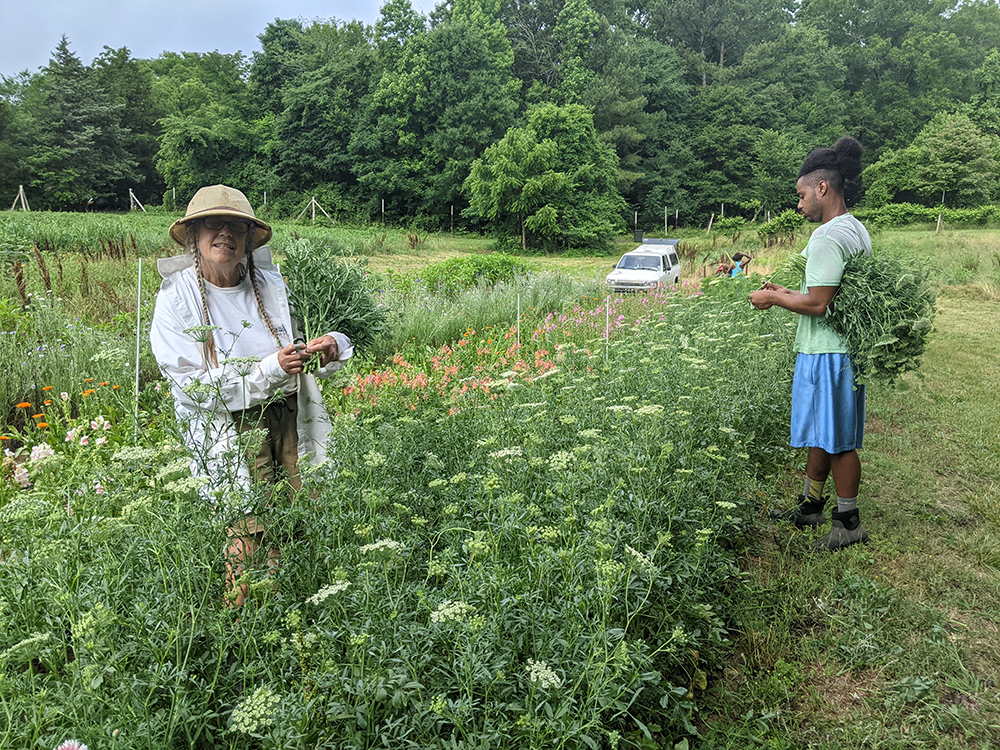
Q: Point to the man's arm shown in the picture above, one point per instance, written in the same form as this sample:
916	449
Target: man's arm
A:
814	302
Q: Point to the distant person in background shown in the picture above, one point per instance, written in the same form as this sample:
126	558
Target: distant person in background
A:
828	405
740	263
224	336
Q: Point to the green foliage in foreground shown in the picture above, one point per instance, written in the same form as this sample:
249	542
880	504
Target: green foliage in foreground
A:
535	562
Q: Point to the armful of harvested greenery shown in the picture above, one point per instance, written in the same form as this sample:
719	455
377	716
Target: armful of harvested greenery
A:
329	293
883	312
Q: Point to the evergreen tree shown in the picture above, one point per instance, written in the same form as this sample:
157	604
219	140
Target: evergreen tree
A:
79	148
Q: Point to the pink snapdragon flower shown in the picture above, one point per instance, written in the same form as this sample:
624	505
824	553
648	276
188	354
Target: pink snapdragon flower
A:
40	451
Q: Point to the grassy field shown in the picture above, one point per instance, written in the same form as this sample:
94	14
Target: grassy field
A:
891	645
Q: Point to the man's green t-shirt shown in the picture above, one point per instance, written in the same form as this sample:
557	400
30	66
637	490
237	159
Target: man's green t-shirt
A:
826	253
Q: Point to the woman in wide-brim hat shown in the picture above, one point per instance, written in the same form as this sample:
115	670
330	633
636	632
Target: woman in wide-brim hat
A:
224	336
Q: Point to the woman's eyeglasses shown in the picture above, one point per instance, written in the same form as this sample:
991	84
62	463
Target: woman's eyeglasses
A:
236	226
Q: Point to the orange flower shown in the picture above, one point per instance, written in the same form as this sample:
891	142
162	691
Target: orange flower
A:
47	388
42	425
37	416
89	380
24	405
115	387
47	402
4	437
104	383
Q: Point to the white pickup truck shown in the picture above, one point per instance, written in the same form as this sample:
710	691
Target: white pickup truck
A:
652	265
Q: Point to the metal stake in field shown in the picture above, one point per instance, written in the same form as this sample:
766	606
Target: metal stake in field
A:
518	321
607	325
138	321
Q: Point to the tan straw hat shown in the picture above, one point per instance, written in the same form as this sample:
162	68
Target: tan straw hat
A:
220	200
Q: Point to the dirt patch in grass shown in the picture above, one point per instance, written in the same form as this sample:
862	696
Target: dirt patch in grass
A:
836	695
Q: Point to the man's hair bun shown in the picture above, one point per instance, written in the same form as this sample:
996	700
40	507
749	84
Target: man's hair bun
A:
848	151
844	160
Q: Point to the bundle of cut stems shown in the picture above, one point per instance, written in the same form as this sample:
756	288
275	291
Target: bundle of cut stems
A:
883	312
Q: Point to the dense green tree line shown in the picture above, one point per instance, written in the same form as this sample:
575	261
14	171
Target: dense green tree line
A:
550	120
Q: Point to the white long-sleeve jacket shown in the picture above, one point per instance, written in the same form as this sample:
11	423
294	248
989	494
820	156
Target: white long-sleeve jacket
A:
205	396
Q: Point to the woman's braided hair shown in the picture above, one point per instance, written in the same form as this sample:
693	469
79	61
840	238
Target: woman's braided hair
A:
191	244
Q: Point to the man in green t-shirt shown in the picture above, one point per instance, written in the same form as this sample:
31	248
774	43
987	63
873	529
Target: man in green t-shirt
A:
828	406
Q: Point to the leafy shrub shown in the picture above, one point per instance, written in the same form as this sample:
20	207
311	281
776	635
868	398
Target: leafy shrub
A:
731	226
895	215
329	293
781	228
465	272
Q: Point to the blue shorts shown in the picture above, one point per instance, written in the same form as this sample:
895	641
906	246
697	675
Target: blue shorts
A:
828	407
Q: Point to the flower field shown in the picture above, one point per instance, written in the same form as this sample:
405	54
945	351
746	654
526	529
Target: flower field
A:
526	537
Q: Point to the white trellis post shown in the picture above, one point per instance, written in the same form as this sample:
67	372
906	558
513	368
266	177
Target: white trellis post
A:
519	321
607	326
133	201
138	329
22	198
313	204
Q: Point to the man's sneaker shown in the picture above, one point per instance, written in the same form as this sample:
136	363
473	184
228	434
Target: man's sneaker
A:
846	530
808	513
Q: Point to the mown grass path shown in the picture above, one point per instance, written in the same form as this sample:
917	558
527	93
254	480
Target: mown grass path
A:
895	644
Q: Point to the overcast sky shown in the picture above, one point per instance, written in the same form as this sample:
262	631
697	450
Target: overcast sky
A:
30	29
